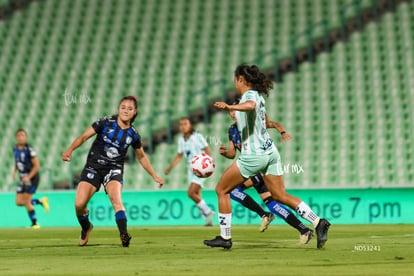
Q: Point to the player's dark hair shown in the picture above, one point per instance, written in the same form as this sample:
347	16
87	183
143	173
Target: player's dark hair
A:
134	100
21	130
235	101
255	77
192	130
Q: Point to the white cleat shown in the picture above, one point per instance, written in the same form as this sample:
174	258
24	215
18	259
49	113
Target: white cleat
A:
266	220
209	219
305	238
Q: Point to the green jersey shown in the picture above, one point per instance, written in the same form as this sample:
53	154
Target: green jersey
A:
252	126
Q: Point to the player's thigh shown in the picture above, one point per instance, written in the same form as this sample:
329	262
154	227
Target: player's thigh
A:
114	190
23	198
84	192
230	179
276	187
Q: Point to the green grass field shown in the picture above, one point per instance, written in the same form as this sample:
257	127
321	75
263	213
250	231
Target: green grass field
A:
351	250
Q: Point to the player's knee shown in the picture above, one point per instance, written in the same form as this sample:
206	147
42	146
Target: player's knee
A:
80	206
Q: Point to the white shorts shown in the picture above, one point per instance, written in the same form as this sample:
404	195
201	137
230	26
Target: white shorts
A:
192	178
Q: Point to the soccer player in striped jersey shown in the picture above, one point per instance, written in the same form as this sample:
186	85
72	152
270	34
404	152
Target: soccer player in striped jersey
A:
28	165
257	182
105	165
190	144
258	155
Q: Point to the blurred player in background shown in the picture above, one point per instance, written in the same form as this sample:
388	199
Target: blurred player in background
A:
257	182
190	144
27	164
105	165
258	155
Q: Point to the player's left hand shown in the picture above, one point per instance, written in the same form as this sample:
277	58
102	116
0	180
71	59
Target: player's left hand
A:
25	179
286	137
159	180
221	105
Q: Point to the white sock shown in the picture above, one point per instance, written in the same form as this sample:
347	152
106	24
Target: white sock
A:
306	212
204	209
225	225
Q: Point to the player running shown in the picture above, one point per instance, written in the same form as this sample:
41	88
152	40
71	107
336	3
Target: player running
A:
190	144
28	165
257	181
105	165
258	155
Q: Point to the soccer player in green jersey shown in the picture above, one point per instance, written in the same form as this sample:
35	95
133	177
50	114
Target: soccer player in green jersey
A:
258	155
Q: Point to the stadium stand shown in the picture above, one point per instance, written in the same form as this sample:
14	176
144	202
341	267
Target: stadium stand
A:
67	63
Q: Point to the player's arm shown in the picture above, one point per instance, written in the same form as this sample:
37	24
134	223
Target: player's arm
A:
88	133
146	164
245	106
174	163
278	126
230	152
14	171
207	150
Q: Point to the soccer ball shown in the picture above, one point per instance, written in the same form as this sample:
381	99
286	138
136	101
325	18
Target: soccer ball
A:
202	165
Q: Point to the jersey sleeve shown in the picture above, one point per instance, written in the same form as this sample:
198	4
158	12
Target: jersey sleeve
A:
136	144
231	131
180	149
250	96
99	124
32	152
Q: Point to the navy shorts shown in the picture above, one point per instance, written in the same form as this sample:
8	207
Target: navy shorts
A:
28	187
101	176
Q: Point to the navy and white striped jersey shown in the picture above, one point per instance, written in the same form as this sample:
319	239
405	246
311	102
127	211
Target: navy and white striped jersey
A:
112	142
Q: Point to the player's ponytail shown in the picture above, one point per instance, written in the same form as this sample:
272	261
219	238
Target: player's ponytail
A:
255	77
134	100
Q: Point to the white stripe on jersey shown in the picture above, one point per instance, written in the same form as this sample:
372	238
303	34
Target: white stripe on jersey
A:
252	126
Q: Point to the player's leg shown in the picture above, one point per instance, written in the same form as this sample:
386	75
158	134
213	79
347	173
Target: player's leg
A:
44	201
274	182
280	210
195	193
276	187
84	192
247	201
25	199
228	181
114	190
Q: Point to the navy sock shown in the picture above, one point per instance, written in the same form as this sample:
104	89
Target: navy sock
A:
240	196
32	216
121	221
36	201
84	221
284	213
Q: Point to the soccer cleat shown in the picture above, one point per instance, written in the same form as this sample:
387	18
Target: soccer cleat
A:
266	220
35	226
209	219
45	203
305	238
322	232
85	235
218	241
125	238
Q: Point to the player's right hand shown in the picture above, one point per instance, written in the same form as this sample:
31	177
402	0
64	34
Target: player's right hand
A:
167	171
66	156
